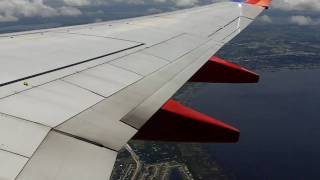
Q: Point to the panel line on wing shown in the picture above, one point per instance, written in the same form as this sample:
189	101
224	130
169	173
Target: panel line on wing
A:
31	86
108	37
156	56
23	119
83	139
11	164
52	103
67	66
59	156
231	34
221	28
74	84
117	66
14	153
43	140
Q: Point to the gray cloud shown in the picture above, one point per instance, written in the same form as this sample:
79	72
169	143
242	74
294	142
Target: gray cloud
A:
13	10
185	2
69	11
299	5
136	2
304	20
265	19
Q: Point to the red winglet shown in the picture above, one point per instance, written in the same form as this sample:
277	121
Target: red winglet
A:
217	70
177	123
263	3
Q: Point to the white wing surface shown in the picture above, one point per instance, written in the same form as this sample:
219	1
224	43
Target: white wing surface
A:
71	97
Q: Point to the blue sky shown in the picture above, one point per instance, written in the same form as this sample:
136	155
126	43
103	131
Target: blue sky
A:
18	15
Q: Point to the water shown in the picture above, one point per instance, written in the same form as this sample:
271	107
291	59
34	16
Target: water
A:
176	175
279	120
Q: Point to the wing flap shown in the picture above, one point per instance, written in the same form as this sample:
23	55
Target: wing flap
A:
140	63
174	48
64	157
50	104
104	80
11	164
25	139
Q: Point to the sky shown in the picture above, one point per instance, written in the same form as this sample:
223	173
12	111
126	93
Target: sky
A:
22	14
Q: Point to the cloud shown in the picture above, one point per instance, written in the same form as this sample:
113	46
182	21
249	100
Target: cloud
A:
183	3
265	19
154	10
69	11
299	5
77	2
179	3
8	18
13	10
304	20
80	3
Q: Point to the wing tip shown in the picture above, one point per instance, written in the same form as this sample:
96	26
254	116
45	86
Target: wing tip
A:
262	3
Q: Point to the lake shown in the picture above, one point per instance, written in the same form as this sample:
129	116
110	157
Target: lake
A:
279	119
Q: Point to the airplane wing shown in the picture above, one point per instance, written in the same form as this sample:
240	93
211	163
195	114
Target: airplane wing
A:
72	97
